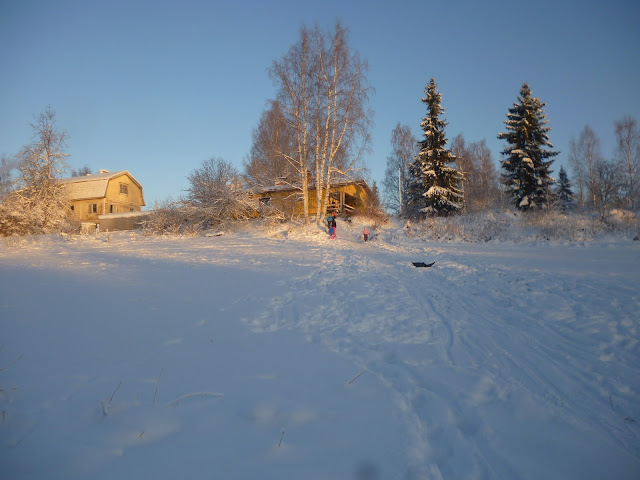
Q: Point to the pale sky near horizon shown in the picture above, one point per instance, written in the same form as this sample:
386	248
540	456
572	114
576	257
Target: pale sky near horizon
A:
157	87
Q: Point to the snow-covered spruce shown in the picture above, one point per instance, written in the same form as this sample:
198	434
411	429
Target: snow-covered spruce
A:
527	159
434	183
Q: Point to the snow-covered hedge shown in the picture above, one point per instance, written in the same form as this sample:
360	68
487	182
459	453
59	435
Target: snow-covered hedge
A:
185	218
512	226
16	219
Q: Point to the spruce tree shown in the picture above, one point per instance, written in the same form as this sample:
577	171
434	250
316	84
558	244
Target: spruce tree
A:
526	160
564	194
434	186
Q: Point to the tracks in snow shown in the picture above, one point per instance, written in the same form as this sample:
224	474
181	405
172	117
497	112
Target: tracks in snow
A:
460	343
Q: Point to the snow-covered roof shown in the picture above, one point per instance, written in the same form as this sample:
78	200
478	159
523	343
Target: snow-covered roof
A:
286	188
93	185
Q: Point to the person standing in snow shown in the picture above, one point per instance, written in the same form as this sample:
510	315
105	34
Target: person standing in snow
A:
331	222
365	234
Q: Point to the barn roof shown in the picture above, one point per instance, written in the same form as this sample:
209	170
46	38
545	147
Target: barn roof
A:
93	185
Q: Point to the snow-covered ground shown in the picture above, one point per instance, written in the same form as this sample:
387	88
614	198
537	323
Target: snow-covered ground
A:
287	355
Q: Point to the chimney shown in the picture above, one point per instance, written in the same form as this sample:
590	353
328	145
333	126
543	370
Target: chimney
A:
102	170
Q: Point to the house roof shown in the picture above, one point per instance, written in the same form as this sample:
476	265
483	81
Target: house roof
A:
287	188
93	185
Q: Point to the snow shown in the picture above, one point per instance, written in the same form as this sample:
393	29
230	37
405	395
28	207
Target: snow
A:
284	354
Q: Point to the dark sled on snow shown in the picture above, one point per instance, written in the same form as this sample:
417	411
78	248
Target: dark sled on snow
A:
422	264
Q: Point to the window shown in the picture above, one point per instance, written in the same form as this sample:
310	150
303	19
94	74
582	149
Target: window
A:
265	200
72	208
93	208
124	189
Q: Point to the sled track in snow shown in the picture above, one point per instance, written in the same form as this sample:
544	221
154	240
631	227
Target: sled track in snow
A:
466	320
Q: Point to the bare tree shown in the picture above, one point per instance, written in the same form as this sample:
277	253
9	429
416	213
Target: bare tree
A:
81	172
579	171
7	164
487	182
215	179
40	195
628	151
589	155
480	178
404	147
607	184
323	92
273	147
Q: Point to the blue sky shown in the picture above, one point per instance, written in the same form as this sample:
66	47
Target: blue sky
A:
158	87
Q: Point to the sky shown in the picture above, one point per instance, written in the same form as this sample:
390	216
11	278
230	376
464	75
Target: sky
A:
158	87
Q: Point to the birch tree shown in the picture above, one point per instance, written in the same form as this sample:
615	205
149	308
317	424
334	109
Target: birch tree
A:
291	75
404	147
578	171
343	117
589	157
323	92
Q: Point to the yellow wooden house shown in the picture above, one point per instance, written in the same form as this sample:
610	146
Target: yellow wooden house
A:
345	197
104	192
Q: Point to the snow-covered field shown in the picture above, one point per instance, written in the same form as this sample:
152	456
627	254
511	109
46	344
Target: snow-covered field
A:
289	356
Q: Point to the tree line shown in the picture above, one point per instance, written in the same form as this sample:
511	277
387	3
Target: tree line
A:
424	178
316	130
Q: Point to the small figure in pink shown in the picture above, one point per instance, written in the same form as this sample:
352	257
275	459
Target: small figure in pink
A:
365	234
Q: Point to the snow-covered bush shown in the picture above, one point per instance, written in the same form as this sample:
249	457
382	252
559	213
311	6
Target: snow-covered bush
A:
166	218
374	218
186	218
467	228
17	218
620	217
14	221
517	227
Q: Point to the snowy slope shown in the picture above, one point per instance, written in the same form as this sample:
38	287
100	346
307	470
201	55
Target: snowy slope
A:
242	356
